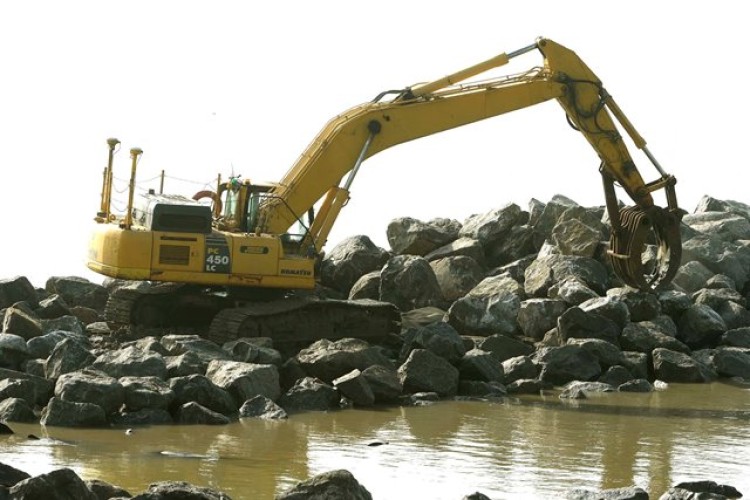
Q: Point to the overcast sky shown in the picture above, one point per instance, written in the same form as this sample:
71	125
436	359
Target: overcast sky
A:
220	87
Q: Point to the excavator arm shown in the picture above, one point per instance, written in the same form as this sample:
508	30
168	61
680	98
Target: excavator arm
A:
422	110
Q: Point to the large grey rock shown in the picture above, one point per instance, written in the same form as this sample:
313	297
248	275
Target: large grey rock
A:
467	247
10	475
248	351
628	493
440	338
263	408
333	485
545	221
605	352
537	316
408	282
639	337
518	243
16	410
131	362
189	363
492	226
424	371
193	413
571	291
146	392
610	307
700	326
42	388
674	303
13	351
366	287
180	490
724	225
414	237
560	365
547	271
489	308
62	413
737	337
673	366
732	362
69	355
52	307
384	383
245	380
577	323
710	204
21	321
456	276
717	297
701	490
41	347
91	387
309	394
18	289
17	388
77	291
60	484
477	364
518	368
328	360
503	347
721	257
692	276
104	490
203	349
200	389
355	387
574	237
349	260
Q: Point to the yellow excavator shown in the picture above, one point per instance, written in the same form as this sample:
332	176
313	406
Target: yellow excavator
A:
207	263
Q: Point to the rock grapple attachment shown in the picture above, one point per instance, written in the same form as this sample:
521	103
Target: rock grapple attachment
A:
645	247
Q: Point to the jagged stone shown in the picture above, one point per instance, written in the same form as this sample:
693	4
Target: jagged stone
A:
350	260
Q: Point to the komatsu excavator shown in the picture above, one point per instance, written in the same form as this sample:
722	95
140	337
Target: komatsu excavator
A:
204	261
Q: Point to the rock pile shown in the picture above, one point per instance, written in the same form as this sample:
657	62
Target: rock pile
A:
507	302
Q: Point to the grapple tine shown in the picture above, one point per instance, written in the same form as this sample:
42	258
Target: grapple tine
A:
639	228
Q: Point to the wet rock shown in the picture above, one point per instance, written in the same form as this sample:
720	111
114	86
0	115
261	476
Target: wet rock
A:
476	496
605	352
408	282
637	363
289	373
414	237
350	260
673	366
707	488
60	484
131	362
503	347
576	323
262	407
76	291
489	308
104	490
309	394
180	490
572	390
333	485
700	326
636	385
560	365
146	392
384	383
354	386
639	337
456	276
245	380
732	362
616	376
62	413
200	389
480	365
193	413
525	386
21	321
13	351
518	368
15	409
537	316
69	355
328	360
424	371
366	287
91	387
10	475
630	493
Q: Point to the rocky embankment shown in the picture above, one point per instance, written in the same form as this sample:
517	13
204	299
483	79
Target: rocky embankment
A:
508	302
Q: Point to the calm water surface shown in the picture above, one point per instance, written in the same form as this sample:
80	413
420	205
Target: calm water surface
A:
535	447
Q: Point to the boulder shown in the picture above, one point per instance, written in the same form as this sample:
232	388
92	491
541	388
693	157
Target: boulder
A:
262	407
440	338
616	376
200	389
737	337
414	237
91	387
571	291
673	366
480	365
14	409
579	324
350	260
366	287
721	257
518	243
180	490
245	380
424	371
42	388
605	352
52	307
384	383
549	270
724	225
503	347
131	362
21	321
408	282
18	289
62	413
17	388
489	308
13	351
574	237
642	338
189	363
333	485
692	276
546	218
628	493
69	355
560	365
105	490
732	362
466	247
247	351
456	276
700	326
309	394
355	387
204	349
193	413
146	392
76	291
518	368
328	360
493	226
537	316
60	484
10	475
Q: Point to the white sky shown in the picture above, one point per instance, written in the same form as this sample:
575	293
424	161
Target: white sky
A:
204	87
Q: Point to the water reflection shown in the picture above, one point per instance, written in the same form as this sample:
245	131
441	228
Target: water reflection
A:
537	447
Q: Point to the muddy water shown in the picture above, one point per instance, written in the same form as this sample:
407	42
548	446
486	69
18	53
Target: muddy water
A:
536	447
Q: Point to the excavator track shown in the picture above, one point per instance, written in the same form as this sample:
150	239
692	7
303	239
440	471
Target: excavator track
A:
304	319
640	229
